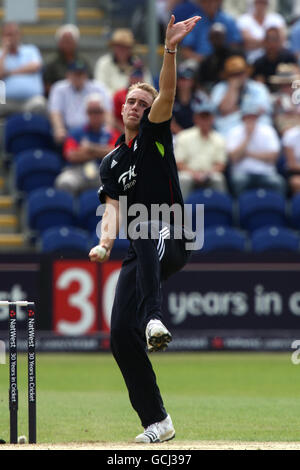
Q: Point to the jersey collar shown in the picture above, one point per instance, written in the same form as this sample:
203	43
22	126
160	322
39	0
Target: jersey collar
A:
121	140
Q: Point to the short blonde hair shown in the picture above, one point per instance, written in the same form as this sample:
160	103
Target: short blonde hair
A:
143	86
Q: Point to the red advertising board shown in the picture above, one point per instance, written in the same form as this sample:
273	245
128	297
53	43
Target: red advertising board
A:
75	297
109	277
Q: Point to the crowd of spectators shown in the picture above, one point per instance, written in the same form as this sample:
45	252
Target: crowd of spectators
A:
236	119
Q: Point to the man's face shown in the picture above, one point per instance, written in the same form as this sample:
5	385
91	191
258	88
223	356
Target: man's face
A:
11	35
77	79
204	121
210	7
96	114
217	39
273	42
132	111
239	77
261	5
121	52
67	43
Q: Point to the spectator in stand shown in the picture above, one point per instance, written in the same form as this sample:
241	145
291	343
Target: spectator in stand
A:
67	51
200	153
287	97
229	95
197	44
137	75
67	100
183	9
253	149
163	13
20	69
295	39
84	149
186	94
291	151
254	24
211	68
114	68
275	54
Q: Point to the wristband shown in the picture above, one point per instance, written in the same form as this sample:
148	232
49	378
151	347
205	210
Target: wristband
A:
169	51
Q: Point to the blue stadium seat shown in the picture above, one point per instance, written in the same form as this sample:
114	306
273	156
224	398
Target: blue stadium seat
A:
88	203
65	240
218	207
278	239
27	131
295	212
36	169
262	208
48	207
224	239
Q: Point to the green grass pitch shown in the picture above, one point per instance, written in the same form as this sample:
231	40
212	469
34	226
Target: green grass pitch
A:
210	396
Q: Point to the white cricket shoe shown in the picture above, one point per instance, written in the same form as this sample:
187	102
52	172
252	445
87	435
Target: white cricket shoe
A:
157	432
157	336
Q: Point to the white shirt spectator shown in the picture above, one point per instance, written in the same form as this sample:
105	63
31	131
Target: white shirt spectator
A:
254	92
112	76
197	152
263	139
70	103
291	139
23	86
247	22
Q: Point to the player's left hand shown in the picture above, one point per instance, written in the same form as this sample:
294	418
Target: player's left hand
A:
177	31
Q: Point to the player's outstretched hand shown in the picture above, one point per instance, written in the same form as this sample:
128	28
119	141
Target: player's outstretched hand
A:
177	31
99	254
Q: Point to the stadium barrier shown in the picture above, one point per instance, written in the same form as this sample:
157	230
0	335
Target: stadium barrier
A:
217	302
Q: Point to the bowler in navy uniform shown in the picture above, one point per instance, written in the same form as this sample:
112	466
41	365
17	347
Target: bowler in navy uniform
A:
142	167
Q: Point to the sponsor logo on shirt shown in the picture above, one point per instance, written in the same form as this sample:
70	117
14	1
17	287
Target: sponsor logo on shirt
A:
127	178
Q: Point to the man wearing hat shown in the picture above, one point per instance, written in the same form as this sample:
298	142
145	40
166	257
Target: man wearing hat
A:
237	88
286	101
275	54
186	91
114	68
67	97
253	148
84	149
200	153
211	68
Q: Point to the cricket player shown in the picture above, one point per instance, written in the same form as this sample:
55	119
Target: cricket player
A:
142	167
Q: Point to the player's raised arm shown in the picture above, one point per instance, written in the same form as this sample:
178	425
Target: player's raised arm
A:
161	109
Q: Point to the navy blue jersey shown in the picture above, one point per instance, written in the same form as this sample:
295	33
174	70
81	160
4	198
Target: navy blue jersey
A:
145	170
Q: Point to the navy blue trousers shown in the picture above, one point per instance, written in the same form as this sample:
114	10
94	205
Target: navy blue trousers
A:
138	299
